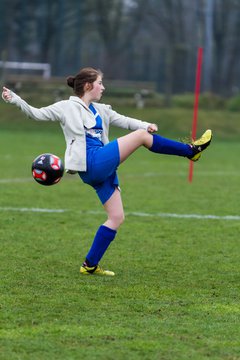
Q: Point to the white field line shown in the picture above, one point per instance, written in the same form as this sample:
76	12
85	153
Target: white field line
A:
133	213
139	175
15	180
37	210
183	173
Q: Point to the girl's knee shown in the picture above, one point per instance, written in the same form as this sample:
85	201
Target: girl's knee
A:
141	132
145	137
117	219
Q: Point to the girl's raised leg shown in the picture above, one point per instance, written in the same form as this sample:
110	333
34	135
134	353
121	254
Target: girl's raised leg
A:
129	143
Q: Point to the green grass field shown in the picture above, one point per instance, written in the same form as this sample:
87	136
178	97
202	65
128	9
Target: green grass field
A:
176	293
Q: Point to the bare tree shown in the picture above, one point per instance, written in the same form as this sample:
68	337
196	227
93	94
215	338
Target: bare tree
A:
169	16
226	29
117	23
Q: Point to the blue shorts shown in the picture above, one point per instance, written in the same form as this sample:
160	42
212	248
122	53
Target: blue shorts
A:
101	174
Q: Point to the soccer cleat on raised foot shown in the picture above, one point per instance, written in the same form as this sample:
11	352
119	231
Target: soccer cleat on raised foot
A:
95	270
201	144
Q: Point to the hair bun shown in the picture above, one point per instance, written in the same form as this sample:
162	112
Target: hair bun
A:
70	81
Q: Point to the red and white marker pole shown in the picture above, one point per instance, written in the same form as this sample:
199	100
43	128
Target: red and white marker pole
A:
195	112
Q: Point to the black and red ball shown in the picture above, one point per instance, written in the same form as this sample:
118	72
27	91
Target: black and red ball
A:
47	169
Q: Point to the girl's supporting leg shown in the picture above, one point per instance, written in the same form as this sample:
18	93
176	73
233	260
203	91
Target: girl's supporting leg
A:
114	210
106	232
155	143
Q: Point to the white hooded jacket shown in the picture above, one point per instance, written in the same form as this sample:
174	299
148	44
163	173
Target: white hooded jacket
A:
74	116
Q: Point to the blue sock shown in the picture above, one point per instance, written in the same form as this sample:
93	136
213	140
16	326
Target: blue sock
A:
162	145
104	236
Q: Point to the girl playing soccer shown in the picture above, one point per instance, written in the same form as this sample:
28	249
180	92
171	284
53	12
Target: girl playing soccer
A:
85	124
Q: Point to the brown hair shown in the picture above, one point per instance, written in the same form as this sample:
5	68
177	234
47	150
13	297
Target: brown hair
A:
86	75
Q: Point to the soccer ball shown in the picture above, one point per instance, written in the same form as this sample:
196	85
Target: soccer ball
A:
47	169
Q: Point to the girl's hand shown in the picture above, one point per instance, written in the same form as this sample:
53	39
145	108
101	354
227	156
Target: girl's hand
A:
152	128
6	94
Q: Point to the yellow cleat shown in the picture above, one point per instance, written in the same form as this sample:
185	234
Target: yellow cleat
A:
95	270
201	144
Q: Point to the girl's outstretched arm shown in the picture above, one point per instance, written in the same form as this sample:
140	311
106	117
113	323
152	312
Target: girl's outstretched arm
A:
51	112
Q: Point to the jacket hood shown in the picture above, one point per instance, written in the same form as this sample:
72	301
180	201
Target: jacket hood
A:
78	100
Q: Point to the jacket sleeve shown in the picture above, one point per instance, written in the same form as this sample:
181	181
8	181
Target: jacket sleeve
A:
125	122
51	112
